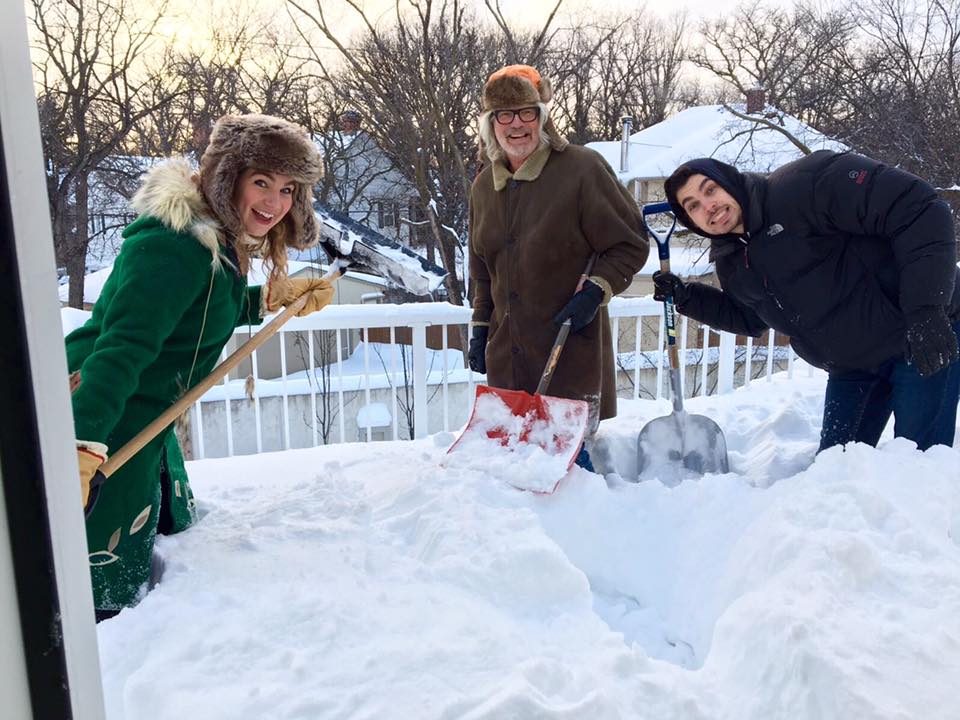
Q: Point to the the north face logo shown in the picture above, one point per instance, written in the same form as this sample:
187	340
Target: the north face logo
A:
858	176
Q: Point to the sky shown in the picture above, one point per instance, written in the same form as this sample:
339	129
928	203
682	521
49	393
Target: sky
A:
530	13
361	582
535	11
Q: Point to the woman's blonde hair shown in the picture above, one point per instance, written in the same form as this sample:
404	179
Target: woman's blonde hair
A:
272	248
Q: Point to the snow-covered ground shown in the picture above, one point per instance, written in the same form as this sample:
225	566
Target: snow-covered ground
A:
365	581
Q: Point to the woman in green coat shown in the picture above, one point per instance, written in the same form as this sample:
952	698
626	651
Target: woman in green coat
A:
177	291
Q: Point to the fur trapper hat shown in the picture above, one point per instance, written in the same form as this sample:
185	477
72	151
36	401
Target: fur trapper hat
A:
516	86
266	143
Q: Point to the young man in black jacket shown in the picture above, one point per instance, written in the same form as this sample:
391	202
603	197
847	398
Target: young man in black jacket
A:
856	262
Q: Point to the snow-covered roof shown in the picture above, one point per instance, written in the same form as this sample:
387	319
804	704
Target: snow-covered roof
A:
712	131
72	318
341	235
92	286
258	275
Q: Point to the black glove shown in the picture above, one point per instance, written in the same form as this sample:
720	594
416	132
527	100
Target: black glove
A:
931	342
582	307
666	284
478	349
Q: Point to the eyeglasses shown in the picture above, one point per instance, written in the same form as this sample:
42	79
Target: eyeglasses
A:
505	117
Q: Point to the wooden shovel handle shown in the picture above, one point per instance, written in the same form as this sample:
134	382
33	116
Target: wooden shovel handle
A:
138	441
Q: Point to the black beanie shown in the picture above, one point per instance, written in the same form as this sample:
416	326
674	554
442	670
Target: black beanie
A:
726	176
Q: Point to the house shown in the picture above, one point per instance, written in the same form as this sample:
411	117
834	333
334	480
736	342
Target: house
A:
643	160
365	184
410	274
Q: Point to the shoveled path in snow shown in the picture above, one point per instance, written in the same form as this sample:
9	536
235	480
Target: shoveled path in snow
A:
364	581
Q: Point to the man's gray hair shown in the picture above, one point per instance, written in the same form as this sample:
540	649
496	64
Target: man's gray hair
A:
488	138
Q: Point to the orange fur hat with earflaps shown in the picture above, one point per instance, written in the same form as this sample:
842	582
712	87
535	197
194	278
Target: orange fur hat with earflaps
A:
516	86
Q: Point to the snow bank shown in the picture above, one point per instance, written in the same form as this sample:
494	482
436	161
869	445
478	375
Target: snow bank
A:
364	581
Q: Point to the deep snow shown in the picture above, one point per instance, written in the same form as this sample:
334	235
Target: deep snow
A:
365	581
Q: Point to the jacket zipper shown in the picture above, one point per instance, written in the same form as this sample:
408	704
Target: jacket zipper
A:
766	286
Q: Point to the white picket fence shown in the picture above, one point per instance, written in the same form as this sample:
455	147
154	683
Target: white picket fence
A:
415	391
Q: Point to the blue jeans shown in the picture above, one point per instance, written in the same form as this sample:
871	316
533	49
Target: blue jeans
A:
858	405
583	459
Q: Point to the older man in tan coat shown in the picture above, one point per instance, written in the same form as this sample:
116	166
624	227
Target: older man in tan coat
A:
539	211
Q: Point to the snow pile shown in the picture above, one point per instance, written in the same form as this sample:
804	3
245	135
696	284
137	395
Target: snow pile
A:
353	581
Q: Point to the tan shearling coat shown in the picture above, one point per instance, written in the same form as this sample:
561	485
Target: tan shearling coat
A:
530	241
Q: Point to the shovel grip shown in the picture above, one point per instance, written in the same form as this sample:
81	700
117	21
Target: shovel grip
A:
96	482
663	252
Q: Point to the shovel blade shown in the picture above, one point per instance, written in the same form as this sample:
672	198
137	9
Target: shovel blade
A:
532	440
680	446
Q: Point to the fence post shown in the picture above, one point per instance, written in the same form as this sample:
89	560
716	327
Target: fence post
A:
726	364
420	409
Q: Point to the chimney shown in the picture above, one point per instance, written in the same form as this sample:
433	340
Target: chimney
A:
756	99
350	122
625	143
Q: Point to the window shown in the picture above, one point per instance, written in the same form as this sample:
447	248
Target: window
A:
388	213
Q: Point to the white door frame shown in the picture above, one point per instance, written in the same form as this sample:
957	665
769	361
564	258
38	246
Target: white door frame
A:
49	665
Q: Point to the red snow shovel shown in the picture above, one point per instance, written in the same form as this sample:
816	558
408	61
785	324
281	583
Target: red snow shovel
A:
541	434
679	445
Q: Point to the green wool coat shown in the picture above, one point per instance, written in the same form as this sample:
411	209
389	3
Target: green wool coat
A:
530	240
158	328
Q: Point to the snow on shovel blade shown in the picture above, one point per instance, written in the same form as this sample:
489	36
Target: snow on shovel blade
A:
680	446
528	440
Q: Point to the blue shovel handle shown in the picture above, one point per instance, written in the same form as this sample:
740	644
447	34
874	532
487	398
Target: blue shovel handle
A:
663	251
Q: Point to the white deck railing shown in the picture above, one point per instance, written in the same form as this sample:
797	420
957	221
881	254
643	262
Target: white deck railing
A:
415	390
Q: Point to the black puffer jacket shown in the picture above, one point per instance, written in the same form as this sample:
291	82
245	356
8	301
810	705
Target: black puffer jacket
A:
838	247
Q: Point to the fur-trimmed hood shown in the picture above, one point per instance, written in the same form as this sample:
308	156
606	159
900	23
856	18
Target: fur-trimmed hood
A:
171	193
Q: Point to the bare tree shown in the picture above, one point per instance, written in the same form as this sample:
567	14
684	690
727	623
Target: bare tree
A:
416	83
523	48
608	68
798	55
324	359
94	85
244	66
904	91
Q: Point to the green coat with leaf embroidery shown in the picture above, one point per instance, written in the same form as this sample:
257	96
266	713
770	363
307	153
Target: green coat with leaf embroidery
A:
169	306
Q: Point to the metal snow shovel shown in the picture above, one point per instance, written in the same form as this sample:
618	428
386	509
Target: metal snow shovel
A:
679	445
520	422
115	461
